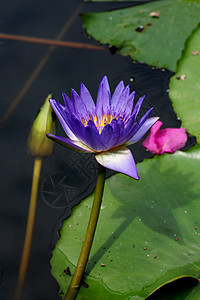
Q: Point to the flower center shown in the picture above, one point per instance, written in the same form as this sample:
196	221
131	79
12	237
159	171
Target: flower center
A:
100	122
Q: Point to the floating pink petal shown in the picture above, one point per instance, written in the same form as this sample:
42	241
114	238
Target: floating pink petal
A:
168	140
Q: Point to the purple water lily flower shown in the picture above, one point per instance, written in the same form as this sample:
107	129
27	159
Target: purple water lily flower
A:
105	129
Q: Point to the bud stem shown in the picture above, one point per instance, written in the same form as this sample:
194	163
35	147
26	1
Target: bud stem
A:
29	228
85	251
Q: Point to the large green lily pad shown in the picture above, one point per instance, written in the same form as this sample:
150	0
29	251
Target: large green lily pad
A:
148	231
185	94
162	39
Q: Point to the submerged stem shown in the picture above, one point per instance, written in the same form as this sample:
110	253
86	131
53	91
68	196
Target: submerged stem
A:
89	236
29	228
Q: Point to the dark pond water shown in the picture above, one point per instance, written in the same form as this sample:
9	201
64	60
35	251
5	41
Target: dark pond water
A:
29	72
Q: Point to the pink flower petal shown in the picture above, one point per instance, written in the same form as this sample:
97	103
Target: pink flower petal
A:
120	160
168	140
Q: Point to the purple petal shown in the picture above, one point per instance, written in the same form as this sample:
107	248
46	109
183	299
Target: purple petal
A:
143	129
108	137
75	145
125	131
118	128
68	103
78	129
129	106
120	160
93	139
87	98
130	133
92	125
61	114
138	106
80	109
168	140
88	135
103	98
116	95
131	121
122	102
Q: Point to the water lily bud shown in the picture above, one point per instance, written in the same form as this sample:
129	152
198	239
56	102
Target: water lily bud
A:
38	144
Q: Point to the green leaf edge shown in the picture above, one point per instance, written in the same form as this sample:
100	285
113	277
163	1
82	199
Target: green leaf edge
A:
196	281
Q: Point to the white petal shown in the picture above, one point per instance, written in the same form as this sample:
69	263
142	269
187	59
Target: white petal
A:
120	160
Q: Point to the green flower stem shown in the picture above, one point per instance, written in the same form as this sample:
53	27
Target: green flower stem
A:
85	251
29	228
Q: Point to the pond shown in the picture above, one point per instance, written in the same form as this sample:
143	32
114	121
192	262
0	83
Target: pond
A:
30	70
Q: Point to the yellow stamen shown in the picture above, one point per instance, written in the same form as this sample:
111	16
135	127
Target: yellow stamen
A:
100	122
